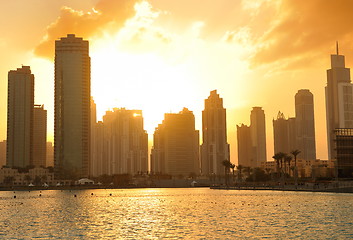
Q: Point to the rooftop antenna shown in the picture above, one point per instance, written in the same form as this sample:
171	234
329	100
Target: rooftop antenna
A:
337	47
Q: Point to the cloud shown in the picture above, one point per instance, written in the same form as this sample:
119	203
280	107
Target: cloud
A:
302	29
106	14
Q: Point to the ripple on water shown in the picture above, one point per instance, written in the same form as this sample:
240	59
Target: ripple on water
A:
197	213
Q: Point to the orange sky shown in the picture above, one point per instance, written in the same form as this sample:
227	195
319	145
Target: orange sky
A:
163	55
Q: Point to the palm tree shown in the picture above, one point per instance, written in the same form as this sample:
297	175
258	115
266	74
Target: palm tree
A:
227	165
232	166
287	159
240	168
295	153
277	157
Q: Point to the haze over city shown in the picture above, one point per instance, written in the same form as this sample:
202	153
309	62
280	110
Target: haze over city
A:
160	56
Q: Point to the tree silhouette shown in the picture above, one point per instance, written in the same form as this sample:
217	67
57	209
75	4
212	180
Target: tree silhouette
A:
227	166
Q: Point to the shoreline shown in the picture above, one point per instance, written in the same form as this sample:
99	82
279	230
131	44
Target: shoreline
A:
329	190
73	188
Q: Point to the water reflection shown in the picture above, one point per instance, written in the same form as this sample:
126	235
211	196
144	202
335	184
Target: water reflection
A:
170	213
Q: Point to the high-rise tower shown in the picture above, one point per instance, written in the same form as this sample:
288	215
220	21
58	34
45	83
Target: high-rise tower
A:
39	136
176	145
339	100
305	125
258	135
72	107
214	148
20	117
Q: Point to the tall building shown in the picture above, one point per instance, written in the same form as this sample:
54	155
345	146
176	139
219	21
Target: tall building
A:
39	136
93	138
72	108
284	133
258	135
344	152
176	145
339	100
20	117
125	143
2	153
244	146
214	148
305	124
50	155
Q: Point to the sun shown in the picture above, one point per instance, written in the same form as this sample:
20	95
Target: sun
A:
144	81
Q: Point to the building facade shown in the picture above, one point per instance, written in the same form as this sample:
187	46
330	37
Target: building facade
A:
176	145
39	136
20	117
214	148
258	136
344	152
72	108
122	143
3	153
284	134
339	100
305	124
244	146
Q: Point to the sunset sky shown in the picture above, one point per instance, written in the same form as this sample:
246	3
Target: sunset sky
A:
163	55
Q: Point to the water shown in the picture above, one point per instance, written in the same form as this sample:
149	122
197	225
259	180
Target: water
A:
192	213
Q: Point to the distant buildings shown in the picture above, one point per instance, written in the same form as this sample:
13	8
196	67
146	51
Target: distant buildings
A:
339	100
305	124
20	117
214	148
2	153
252	140
176	145
72	108
245	154
39	136
344	152
258	135
284	134
121	145
50	155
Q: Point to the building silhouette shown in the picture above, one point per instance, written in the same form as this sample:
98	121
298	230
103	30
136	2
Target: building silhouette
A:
122	143
305	124
176	145
284	133
93	123
72	108
244	146
344	152
339	100
252	140
20	117
50	155
214	148
2	153
39	136
258	135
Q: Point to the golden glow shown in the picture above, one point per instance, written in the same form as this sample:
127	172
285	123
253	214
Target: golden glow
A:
160	56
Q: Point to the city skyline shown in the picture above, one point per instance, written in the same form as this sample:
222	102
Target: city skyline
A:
232	61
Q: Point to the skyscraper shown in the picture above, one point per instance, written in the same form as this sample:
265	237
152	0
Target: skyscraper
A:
125	147
214	148
339	100
20	117
72	107
284	134
258	135
2	153
305	124
176	145
39	136
244	146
